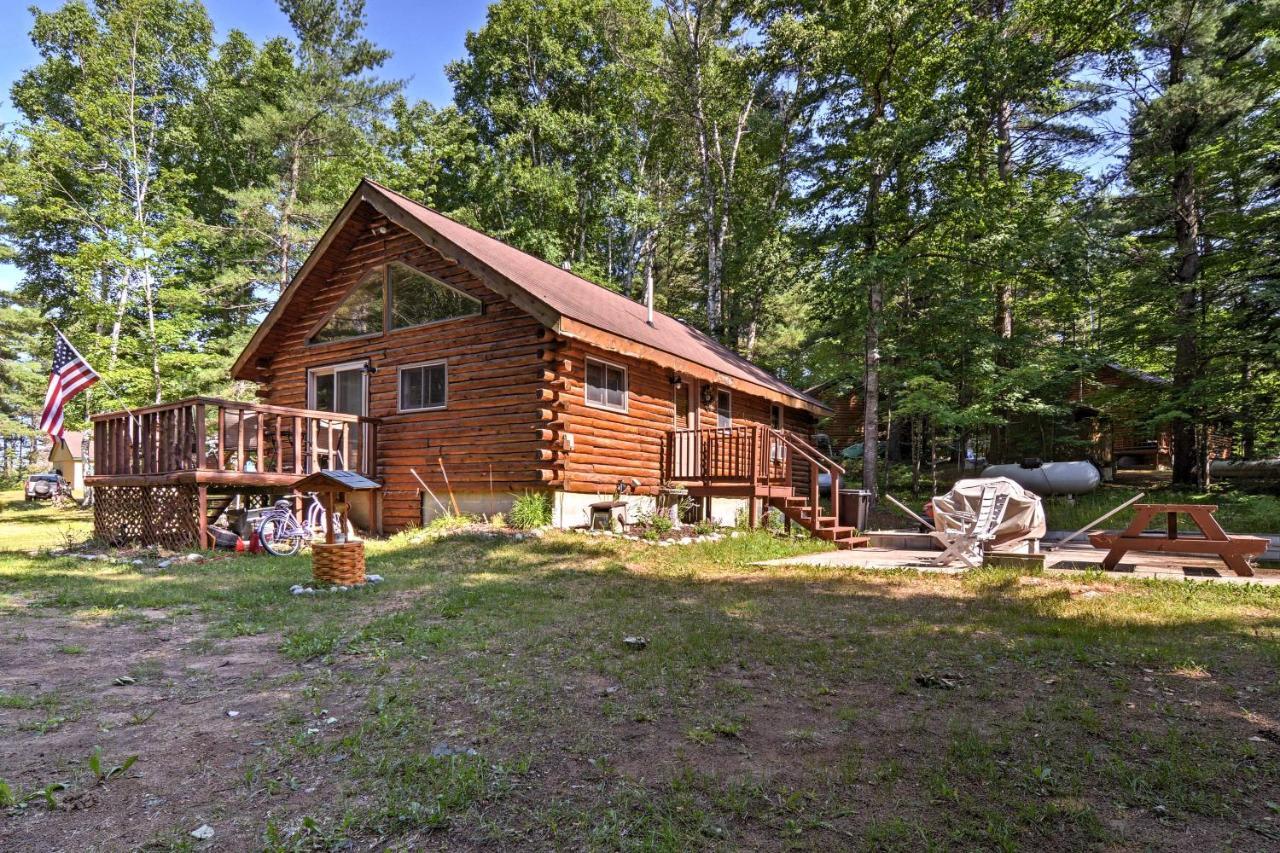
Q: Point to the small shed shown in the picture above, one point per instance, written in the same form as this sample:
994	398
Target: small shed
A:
72	457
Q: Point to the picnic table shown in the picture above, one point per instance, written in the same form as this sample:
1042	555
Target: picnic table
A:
1232	550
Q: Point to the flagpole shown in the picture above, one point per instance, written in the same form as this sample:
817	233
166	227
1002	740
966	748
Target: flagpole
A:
105	384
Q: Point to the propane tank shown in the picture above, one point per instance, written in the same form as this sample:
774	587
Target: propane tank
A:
1049	478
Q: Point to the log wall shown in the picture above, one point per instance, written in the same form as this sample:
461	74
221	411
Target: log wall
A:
487	437
609	446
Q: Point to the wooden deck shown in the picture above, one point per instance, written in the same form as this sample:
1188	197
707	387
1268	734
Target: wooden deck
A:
165	472
216	442
773	467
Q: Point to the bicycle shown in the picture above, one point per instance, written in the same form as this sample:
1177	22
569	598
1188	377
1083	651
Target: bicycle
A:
282	535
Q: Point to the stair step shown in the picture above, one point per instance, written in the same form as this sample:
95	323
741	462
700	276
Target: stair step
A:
835	533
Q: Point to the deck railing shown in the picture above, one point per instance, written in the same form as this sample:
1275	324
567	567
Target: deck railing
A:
755	456
213	434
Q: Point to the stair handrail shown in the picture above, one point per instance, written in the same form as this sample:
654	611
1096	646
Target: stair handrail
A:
816	458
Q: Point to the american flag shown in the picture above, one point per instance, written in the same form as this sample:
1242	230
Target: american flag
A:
71	374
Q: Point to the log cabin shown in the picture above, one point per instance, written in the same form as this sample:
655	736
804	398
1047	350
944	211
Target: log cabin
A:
456	370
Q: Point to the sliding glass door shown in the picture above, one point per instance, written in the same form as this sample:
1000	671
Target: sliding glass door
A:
339	388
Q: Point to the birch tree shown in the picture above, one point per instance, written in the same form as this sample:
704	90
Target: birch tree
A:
99	176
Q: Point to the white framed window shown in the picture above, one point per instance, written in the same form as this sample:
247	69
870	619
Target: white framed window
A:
423	387
724	409
338	388
606	385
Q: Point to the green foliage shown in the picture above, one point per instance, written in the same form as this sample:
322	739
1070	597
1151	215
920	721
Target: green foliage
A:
660	522
103	774
530	510
935	197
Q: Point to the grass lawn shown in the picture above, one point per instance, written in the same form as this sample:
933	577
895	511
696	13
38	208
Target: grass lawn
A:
483	697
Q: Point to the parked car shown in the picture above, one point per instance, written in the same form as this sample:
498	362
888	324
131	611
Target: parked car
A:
46	487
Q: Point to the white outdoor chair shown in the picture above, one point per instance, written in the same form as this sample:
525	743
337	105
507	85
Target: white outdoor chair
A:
964	534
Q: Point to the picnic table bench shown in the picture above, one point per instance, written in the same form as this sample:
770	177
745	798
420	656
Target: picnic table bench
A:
1232	550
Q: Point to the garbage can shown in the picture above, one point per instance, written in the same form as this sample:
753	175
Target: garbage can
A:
854	506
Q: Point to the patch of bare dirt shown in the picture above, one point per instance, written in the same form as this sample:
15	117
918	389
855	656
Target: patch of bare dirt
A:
156	690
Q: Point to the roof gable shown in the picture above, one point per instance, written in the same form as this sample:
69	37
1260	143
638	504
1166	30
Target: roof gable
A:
568	303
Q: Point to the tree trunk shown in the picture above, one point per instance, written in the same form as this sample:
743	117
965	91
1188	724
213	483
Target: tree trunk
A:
1248	429
1184	278
875	310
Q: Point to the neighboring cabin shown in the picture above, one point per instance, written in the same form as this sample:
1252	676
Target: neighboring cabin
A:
1106	421
450	352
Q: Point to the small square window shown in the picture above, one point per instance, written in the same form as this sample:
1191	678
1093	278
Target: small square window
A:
423	386
606	386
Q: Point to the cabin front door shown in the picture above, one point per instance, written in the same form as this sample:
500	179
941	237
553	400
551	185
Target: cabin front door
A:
340	388
688	452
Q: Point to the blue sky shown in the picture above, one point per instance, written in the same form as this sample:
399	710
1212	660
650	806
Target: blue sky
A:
423	36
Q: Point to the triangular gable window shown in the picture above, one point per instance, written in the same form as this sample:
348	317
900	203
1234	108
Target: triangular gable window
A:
418	299
359	314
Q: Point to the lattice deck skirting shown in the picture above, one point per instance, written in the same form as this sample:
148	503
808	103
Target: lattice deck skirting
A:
167	516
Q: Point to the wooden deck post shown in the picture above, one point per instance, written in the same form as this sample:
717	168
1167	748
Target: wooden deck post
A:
222	439
202	461
240	441
260	462
202	516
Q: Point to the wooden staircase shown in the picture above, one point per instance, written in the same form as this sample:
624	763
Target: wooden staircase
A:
777	467
797	509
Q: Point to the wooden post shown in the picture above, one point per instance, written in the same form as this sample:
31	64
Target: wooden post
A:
240	443
328	517
222	438
297	445
311	437
202	516
279	447
261	462
835	493
201	461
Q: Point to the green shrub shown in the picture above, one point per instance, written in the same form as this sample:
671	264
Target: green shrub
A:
530	510
705	527
661	522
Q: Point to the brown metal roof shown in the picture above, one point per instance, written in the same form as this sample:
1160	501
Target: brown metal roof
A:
573	297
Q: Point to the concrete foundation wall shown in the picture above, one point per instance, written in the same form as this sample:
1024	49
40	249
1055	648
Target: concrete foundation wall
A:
572	509
471	503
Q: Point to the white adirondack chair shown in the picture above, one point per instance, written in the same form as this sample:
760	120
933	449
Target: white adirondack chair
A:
965	534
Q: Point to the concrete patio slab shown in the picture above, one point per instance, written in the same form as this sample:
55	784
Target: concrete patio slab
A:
1073	558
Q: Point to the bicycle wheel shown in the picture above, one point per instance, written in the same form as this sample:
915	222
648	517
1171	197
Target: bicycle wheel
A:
279	536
